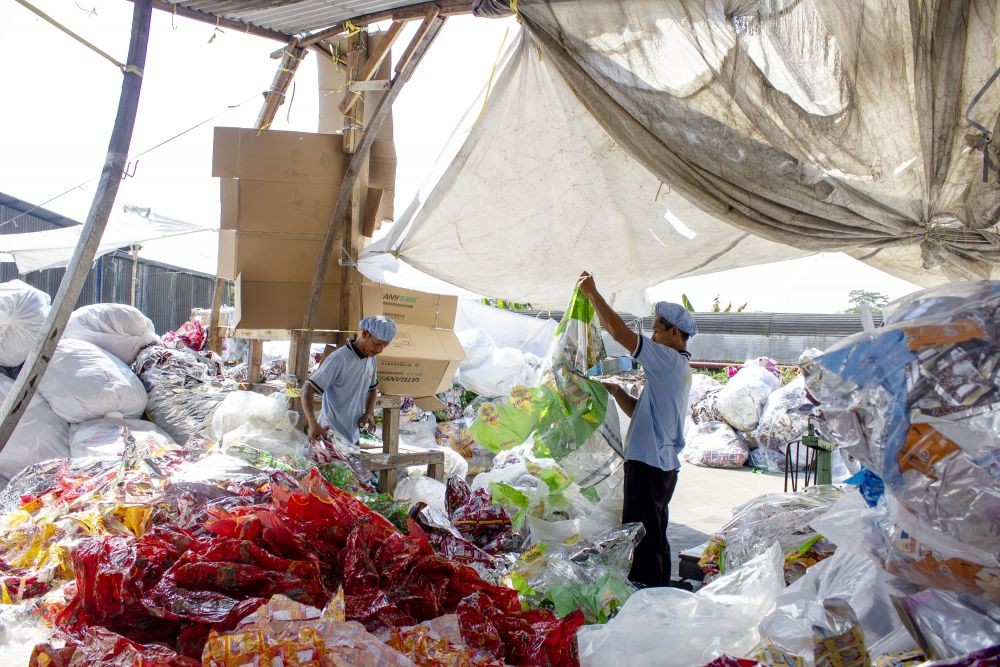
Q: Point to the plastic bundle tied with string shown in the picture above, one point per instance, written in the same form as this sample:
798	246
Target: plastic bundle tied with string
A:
566	415
918	403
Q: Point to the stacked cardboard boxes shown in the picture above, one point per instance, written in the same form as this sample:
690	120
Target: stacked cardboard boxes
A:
423	358
278	191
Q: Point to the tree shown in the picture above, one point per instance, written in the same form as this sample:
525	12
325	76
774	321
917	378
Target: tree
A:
504	304
875	300
716	305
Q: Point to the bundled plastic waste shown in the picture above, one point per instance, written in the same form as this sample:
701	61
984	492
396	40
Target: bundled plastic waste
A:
916	401
84	382
785	417
706	408
741	400
191	335
107	437
184	388
714	445
590	576
119	329
782	518
675	628
23	310
40	435
248	419
701	385
567	415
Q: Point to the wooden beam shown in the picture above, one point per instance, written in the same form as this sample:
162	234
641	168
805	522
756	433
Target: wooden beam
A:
417	11
350	176
229	24
215	326
255	360
275	97
371	211
372	64
357	55
425	25
31	373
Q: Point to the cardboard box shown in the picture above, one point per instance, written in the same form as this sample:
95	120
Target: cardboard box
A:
270	305
409	306
250	205
283	258
274	155
425	354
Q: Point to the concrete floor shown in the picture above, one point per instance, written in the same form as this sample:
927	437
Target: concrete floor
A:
704	499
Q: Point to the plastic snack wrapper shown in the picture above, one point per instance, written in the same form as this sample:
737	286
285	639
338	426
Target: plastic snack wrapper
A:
948	625
714	445
706	408
776	517
567	411
675	628
741	400
592	577
917	402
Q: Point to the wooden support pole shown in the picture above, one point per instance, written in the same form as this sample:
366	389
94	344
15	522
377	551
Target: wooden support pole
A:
275	97
215	325
351	175
372	64
20	395
255	360
418	38
390	445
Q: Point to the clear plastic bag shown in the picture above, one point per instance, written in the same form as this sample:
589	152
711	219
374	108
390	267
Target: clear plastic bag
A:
785	417
674	628
714	445
949	625
700	385
917	402
427	490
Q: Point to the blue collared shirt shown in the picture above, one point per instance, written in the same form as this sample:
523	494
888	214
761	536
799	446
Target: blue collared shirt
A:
344	379
656	432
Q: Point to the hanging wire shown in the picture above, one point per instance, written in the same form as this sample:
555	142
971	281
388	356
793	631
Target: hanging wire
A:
135	159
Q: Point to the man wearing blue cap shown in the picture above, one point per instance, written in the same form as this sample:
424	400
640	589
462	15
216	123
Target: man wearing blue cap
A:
348	381
656	433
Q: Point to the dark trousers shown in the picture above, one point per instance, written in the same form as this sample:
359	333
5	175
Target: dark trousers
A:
647	496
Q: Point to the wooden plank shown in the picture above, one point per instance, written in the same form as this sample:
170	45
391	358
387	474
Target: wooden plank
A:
256	358
372	207
357	56
390	446
435	469
215	327
351	176
380	461
31	373
418	38
372	64
275	97
415	11
319	335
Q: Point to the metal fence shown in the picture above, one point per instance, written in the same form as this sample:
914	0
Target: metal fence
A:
165	294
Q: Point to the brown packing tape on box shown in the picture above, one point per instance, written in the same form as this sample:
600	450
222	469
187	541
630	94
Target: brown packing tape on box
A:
261	257
249	205
274	155
277	305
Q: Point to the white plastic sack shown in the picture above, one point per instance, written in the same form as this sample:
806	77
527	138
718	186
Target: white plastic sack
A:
714	445
84	382
103	437
478	347
413	490
121	330
506	369
241	407
454	465
669	627
39	436
23	310
742	399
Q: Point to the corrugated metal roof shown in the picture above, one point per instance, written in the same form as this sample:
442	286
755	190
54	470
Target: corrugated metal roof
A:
293	17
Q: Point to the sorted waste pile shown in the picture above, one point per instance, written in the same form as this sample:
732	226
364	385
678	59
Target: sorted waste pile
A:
900	565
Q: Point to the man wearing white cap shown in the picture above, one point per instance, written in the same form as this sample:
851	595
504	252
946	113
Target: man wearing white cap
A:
656	433
348	381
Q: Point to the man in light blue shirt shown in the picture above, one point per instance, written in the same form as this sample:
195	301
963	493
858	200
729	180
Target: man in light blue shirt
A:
348	381
656	433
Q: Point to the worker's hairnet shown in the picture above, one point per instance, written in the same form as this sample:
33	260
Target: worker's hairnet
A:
381	327
678	316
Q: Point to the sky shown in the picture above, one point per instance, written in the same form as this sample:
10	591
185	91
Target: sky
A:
58	111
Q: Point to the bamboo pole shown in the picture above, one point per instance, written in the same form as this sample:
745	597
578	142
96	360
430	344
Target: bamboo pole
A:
20	395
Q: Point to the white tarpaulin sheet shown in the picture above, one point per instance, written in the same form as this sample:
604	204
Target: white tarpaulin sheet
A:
54	248
656	139
540	190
